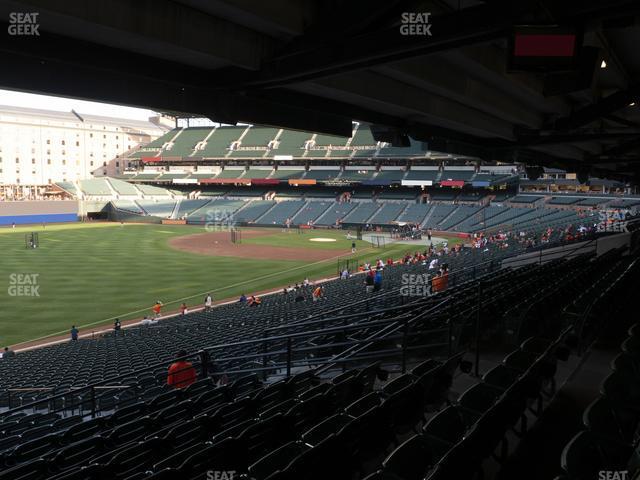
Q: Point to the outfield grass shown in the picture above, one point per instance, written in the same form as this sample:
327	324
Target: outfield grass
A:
88	274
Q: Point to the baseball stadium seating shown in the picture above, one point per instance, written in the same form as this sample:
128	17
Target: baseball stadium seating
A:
282	211
157	208
291	142
388	213
322	174
438	215
461	213
392	176
95	187
310	212
185	141
524	199
564	200
424	175
254	210
216	210
457	174
420	417
415	213
362	213
335	212
123	188
186	207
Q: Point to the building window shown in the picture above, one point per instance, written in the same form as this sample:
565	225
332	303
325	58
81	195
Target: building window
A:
48	161
117	164
63	142
77	144
48	142
17	160
104	164
91	163
33	161
91	135
64	162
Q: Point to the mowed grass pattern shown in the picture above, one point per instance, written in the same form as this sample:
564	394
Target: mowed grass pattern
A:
89	274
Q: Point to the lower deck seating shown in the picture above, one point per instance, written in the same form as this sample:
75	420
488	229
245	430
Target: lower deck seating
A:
279	214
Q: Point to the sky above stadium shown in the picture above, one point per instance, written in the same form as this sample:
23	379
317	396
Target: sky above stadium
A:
46	102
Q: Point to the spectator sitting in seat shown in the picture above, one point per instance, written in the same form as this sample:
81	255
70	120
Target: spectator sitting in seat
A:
148	321
8	353
181	373
254	301
117	326
243	298
369	282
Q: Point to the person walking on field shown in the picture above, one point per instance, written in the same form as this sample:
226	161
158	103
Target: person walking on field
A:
181	373
208	302
74	333
353	247
157	309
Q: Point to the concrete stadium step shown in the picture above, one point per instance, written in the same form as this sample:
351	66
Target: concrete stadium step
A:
175	209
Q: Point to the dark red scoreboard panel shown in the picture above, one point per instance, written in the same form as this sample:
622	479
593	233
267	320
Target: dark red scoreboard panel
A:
544	45
544	49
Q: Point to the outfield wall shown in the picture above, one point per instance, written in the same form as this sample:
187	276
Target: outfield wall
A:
29	212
